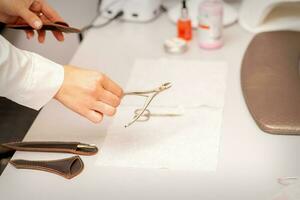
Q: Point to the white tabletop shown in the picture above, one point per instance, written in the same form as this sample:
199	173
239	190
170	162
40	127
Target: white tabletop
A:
250	161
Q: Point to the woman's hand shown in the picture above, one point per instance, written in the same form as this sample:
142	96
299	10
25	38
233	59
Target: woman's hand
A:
32	12
89	93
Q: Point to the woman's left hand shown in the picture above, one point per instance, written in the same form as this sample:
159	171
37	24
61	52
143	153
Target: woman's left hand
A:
33	12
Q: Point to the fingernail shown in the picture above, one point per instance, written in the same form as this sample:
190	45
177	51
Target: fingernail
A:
37	24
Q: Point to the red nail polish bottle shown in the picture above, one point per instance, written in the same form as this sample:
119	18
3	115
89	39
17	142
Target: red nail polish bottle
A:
184	24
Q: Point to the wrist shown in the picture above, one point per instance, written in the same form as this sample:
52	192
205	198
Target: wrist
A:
60	89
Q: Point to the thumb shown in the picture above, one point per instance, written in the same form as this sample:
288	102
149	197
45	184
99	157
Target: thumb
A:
31	18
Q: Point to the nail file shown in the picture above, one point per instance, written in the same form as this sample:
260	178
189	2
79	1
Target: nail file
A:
53	146
48	26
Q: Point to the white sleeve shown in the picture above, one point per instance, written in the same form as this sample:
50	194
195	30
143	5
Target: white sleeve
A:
26	77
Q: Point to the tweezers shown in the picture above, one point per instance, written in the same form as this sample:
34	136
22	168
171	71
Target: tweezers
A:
147	93
56	26
59	147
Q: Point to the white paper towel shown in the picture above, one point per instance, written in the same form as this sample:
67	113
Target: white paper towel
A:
194	82
185	142
291	192
188	142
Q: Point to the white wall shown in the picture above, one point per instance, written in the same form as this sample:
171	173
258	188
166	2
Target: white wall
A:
77	13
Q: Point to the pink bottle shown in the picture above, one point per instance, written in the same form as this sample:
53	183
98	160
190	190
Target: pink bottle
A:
210	24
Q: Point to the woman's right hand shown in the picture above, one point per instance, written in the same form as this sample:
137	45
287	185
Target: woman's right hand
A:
89	93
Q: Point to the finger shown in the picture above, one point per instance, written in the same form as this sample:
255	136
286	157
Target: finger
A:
94	116
112	86
50	13
36	6
58	35
32	19
104	108
20	20
44	18
29	34
109	98
42	35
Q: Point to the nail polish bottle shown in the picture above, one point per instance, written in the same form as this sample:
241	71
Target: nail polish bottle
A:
184	24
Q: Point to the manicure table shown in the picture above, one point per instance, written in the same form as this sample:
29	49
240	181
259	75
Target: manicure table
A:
250	161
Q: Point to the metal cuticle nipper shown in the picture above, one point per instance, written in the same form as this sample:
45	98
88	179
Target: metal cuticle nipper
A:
150	95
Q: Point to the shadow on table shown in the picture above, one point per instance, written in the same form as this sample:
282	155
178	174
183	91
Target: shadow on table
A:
15	120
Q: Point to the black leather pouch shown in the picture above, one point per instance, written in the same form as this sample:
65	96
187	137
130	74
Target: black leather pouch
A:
67	168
